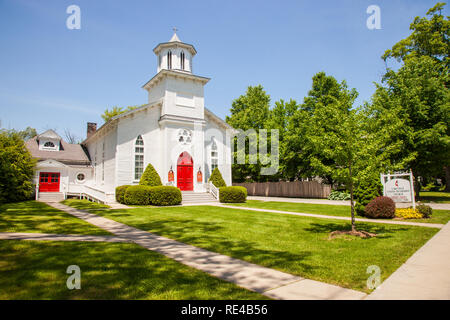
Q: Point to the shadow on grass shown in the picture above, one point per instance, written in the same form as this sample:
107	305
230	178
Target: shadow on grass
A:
37	270
381	231
211	236
33	216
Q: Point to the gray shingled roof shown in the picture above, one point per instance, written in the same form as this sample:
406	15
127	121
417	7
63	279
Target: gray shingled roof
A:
49	134
68	154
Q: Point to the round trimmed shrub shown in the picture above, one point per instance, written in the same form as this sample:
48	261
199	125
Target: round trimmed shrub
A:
165	196
137	195
217	179
425	210
150	177
232	194
380	208
120	193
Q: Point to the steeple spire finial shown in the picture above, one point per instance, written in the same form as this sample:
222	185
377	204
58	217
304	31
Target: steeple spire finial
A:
175	37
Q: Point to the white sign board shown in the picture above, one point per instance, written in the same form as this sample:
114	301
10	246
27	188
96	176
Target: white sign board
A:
398	190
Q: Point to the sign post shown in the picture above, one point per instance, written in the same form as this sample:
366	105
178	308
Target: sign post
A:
397	188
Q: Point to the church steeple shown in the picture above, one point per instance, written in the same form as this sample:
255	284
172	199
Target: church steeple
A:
175	54
175	37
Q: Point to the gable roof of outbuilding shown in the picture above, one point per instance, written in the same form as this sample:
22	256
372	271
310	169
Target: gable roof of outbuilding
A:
68	153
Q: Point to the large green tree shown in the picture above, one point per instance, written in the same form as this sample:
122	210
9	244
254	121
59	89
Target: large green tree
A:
280	117
16	168
249	112
418	94
115	111
298	148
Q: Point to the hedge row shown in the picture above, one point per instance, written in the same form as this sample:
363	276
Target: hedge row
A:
232	194
146	195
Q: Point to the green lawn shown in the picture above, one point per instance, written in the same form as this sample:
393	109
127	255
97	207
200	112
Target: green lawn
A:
437	197
325	209
84	204
438	216
296	245
37	217
37	270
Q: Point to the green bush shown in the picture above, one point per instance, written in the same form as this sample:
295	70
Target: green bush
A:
165	196
232	194
120	193
380	208
339	195
16	168
137	195
425	210
365	192
150	177
217	179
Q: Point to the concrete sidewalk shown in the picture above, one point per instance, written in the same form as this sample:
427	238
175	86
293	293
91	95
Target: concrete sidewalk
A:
313	215
424	276
269	282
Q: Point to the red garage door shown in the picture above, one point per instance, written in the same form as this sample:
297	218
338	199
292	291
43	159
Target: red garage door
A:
49	182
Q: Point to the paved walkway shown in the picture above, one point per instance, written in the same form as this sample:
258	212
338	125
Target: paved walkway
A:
269	282
417	224
437	206
59	237
424	276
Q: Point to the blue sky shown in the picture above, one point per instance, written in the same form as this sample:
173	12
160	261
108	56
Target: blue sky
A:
53	77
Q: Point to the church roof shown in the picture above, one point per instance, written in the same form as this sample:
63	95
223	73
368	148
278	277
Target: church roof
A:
49	134
68	153
173	42
174	38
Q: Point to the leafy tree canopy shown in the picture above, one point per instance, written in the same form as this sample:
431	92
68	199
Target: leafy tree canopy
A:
16	168
115	111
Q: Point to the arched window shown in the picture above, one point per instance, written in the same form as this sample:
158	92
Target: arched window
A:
138	158
182	60
103	161
49	144
214	155
169	60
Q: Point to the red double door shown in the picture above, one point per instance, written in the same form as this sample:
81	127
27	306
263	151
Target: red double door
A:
185	172
49	182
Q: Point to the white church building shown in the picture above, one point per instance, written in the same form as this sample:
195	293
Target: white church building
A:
174	132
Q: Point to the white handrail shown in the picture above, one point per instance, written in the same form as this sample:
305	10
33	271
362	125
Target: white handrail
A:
213	190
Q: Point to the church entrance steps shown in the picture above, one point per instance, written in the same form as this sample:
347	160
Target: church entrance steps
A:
197	197
51	196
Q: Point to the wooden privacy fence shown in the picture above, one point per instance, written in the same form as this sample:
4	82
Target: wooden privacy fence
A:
294	189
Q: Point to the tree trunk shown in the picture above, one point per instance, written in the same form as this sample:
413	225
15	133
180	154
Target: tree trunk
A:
447	178
352	205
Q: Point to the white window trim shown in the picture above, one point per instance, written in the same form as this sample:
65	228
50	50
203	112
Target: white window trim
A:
80	181
134	158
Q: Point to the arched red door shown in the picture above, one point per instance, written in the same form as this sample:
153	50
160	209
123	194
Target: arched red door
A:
185	172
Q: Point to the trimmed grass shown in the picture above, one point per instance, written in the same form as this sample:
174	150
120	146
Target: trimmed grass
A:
296	245
37	270
38	217
438	216
325	209
84	204
437	197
